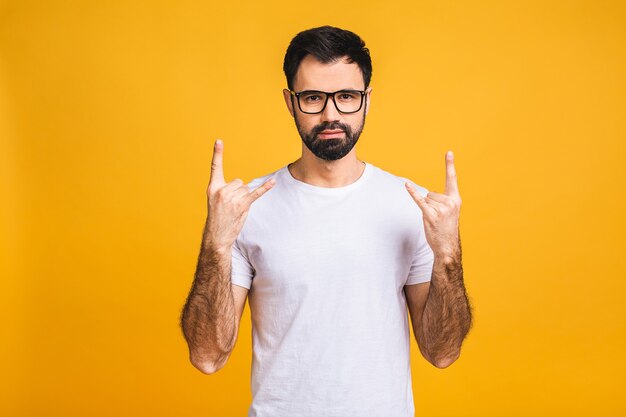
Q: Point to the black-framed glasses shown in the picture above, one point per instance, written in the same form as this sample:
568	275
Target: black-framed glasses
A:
314	102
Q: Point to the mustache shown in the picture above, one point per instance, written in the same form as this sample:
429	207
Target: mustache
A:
330	126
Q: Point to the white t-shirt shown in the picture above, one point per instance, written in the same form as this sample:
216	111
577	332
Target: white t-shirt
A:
326	268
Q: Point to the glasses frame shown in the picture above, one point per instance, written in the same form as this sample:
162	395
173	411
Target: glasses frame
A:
328	95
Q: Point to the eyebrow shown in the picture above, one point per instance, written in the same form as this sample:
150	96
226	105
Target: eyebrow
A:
341	89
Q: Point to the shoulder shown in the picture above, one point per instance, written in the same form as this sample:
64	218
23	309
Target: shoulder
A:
258	181
388	179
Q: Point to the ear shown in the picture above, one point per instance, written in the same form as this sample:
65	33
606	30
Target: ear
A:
368	94
288	100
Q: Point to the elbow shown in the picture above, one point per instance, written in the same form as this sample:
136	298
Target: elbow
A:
446	361
205	366
439	361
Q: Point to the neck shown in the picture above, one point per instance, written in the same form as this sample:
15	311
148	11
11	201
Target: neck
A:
315	171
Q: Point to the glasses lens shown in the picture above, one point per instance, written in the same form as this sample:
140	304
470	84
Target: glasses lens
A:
348	101
312	101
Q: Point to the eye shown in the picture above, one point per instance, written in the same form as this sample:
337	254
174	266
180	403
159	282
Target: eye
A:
312	98
347	96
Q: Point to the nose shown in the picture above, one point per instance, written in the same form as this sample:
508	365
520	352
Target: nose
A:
330	113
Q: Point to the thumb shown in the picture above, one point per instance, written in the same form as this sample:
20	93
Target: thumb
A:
421	202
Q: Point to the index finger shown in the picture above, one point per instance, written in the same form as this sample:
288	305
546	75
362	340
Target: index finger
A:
452	187
217	171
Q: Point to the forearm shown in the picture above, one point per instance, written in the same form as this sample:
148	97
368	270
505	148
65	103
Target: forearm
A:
446	319
208	318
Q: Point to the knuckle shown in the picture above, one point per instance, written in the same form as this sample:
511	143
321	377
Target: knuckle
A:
239	205
256	193
221	194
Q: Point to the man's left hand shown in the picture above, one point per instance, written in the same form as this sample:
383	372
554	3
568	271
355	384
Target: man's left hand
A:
441	214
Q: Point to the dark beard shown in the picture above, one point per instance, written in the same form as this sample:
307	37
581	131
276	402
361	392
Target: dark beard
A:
330	149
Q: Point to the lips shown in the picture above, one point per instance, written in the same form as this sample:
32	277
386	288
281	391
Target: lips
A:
330	134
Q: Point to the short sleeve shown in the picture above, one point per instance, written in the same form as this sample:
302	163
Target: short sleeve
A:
242	271
423	259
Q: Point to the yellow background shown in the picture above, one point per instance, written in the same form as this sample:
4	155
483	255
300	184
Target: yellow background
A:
108	113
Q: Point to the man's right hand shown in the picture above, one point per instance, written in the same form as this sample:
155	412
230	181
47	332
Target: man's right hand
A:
228	203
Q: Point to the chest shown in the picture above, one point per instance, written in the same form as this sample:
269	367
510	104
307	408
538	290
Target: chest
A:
321	246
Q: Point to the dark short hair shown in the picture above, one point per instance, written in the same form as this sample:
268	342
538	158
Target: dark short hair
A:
327	44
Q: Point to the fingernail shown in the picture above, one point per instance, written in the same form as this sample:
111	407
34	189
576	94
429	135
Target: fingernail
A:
450	155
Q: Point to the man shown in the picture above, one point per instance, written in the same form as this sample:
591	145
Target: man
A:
329	257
